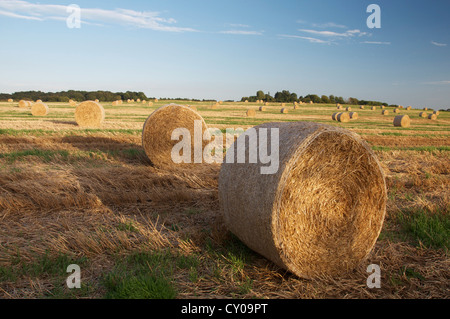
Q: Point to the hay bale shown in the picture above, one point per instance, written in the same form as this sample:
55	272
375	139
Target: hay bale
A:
72	103
400	106
138	100
423	114
339	107
396	110
436	112
343	117
432	116
115	103
266	103
97	100
246	101
385	112
348	108
334	116
361	107
250	113
402	121
373	108
156	100
10	100
38	101
353	115
408	108
89	114
311	217
23	103
262	108
283	104
29	103
39	109
284	110
425	109
382	107
157	132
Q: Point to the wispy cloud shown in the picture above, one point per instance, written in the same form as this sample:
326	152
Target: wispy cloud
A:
238	25
242	32
329	25
146	19
376	42
348	33
438	82
311	40
439	44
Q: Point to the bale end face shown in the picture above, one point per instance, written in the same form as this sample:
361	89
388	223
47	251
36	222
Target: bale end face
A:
39	109
250	113
343	117
402	121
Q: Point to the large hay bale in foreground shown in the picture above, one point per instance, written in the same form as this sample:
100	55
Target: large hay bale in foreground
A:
23	103
157	133
402	121
432	116
251	113
89	114
353	115
343	117
39	109
312	216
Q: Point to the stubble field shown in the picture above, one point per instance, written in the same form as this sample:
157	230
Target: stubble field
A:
90	197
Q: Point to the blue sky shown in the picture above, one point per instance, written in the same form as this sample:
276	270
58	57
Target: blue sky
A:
229	49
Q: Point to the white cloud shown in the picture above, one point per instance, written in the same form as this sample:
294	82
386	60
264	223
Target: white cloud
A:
439	44
348	33
329	25
242	32
312	40
147	19
376	42
238	25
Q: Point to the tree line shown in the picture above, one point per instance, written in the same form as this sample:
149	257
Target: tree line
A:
287	97
65	96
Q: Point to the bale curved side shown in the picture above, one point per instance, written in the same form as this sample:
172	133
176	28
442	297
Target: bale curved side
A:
89	114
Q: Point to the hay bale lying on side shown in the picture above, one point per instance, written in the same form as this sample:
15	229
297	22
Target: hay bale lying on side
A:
396	110
425	109
262	108
432	116
23	103
373	108
348	108
10	100
311	216
361	107
343	117
353	115
339	107
284	111
423	114
250	113
39	109
402	121
150	103
89	114
436	112
266	103
382	107
334	116
385	112
408	108
72	103
157	132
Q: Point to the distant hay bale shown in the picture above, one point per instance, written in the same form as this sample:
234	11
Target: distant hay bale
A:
382	107
432	116
311	217
246	101
385	112
348	108
128	100
39	109
353	115
343	117
396	110
425	109
157	132
436	112
72	103
10	100
402	121
97	100
29	103
266	103
334	116
400	106
138	100
283	104
38	101
220	102
214	106
23	103
284	110
423	114
89	114
262	108
408	108
156	100
150	103
373	108
311	102
115	103
250	113
361	107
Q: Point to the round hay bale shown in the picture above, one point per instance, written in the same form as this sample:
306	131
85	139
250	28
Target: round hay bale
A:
408	108
334	116
156	100
246	101
39	109
262	108
72	103
385	112
382	107
400	106
23	103
425	109
138	100
361	107
89	114
402	121
339	107
10	100
396	110
423	114
353	115
348	108
115	103
343	117
38	101
251	113
284	111
436	112
97	100
29	103
432	116
311	217
373	108
266	103
283	104
128	101
157	132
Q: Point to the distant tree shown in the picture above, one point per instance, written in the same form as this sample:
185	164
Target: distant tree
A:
332	99
260	95
325	99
